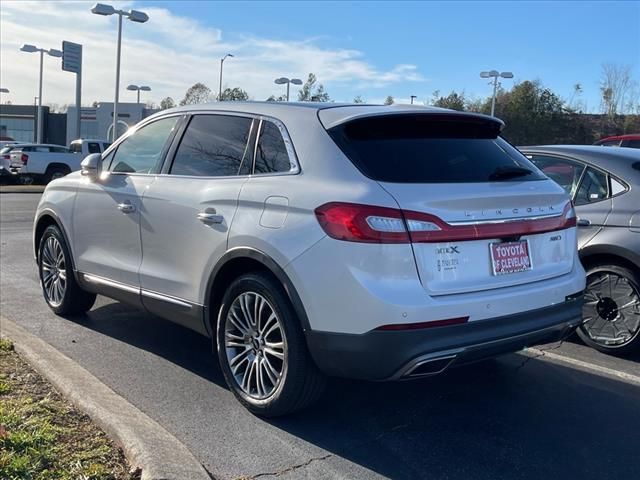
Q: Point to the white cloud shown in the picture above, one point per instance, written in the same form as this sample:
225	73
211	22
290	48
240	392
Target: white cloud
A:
169	53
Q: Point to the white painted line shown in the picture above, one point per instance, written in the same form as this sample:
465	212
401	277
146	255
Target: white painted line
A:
556	358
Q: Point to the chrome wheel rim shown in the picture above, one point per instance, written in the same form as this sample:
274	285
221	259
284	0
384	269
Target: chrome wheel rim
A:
54	272
611	312
255	345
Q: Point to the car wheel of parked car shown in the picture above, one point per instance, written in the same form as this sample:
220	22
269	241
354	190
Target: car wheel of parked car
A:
611	312
61	291
55	173
262	349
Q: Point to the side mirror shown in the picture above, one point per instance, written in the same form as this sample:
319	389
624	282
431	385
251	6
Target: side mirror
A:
91	166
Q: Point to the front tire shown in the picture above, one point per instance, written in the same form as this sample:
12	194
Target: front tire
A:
262	349
59	287
611	312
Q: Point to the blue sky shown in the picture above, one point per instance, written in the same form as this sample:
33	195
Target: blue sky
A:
371	49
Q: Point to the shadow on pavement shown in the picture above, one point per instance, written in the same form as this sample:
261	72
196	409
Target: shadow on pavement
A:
509	418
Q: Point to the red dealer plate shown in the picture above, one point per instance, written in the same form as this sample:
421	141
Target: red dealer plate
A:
510	257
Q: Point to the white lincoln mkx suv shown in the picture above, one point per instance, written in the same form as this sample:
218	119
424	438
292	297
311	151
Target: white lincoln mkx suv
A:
305	240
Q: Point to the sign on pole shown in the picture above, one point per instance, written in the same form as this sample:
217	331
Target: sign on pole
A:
72	62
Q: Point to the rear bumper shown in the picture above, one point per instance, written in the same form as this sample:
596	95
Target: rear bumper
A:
395	355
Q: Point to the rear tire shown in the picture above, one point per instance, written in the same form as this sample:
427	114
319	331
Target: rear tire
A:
53	173
59	287
611	313
262	349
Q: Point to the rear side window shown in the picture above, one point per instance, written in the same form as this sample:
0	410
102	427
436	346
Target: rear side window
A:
564	172
632	143
431	149
271	154
213	146
593	188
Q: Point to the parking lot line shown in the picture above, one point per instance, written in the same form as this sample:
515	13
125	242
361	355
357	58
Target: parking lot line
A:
557	358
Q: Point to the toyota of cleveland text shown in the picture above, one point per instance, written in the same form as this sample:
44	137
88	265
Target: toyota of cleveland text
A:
312	240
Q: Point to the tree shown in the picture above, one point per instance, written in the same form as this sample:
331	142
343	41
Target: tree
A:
197	93
453	101
167	102
312	91
273	98
615	84
389	100
359	99
230	94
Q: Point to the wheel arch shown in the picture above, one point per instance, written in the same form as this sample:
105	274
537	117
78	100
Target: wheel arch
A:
243	260
612	254
58	166
46	219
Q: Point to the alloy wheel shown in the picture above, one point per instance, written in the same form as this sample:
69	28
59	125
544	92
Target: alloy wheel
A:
255	345
611	312
54	272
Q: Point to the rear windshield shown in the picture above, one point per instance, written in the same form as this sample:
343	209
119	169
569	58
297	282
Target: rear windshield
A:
432	149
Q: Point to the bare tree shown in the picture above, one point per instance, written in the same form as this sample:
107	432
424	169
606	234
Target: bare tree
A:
616	84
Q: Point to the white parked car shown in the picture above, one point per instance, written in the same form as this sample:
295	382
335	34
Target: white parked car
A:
41	162
306	240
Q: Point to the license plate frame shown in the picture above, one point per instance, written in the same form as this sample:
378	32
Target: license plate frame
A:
497	269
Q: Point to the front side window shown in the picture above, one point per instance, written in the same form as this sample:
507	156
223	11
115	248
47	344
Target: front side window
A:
143	151
271	154
593	187
93	147
564	172
213	146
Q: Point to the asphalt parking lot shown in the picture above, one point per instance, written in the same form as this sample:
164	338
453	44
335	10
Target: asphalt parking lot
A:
516	417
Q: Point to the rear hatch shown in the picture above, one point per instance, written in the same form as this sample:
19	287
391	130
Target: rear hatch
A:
479	214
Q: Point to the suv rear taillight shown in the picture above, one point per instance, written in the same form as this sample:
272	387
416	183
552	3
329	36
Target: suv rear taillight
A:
371	224
24	158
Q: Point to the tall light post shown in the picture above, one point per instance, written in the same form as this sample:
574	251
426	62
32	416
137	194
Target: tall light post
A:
221	65
495	74
134	16
413	97
137	88
288	82
54	53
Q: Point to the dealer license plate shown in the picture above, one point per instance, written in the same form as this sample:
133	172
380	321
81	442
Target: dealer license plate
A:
510	257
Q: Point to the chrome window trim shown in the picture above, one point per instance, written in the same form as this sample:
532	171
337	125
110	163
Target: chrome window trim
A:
294	165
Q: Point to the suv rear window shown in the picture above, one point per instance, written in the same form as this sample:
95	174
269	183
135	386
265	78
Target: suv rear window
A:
431	149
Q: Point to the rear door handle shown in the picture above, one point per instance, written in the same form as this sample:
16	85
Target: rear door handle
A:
583	222
210	216
126	207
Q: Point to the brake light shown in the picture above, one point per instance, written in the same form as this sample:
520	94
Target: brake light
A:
24	158
371	224
362	223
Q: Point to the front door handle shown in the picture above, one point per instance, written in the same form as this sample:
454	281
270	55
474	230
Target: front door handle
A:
583	222
210	216
126	207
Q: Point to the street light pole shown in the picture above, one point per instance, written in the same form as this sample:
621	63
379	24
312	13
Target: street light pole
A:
413	97
288	81
134	16
54	53
117	96
220	85
495	74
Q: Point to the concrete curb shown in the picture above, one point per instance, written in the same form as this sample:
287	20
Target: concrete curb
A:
145	443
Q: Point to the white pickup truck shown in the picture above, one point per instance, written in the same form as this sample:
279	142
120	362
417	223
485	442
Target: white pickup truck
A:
43	163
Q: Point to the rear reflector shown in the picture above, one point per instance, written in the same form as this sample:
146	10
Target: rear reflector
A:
371	224
24	158
422	325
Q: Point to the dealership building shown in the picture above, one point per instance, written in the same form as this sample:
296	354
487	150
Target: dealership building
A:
18	122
